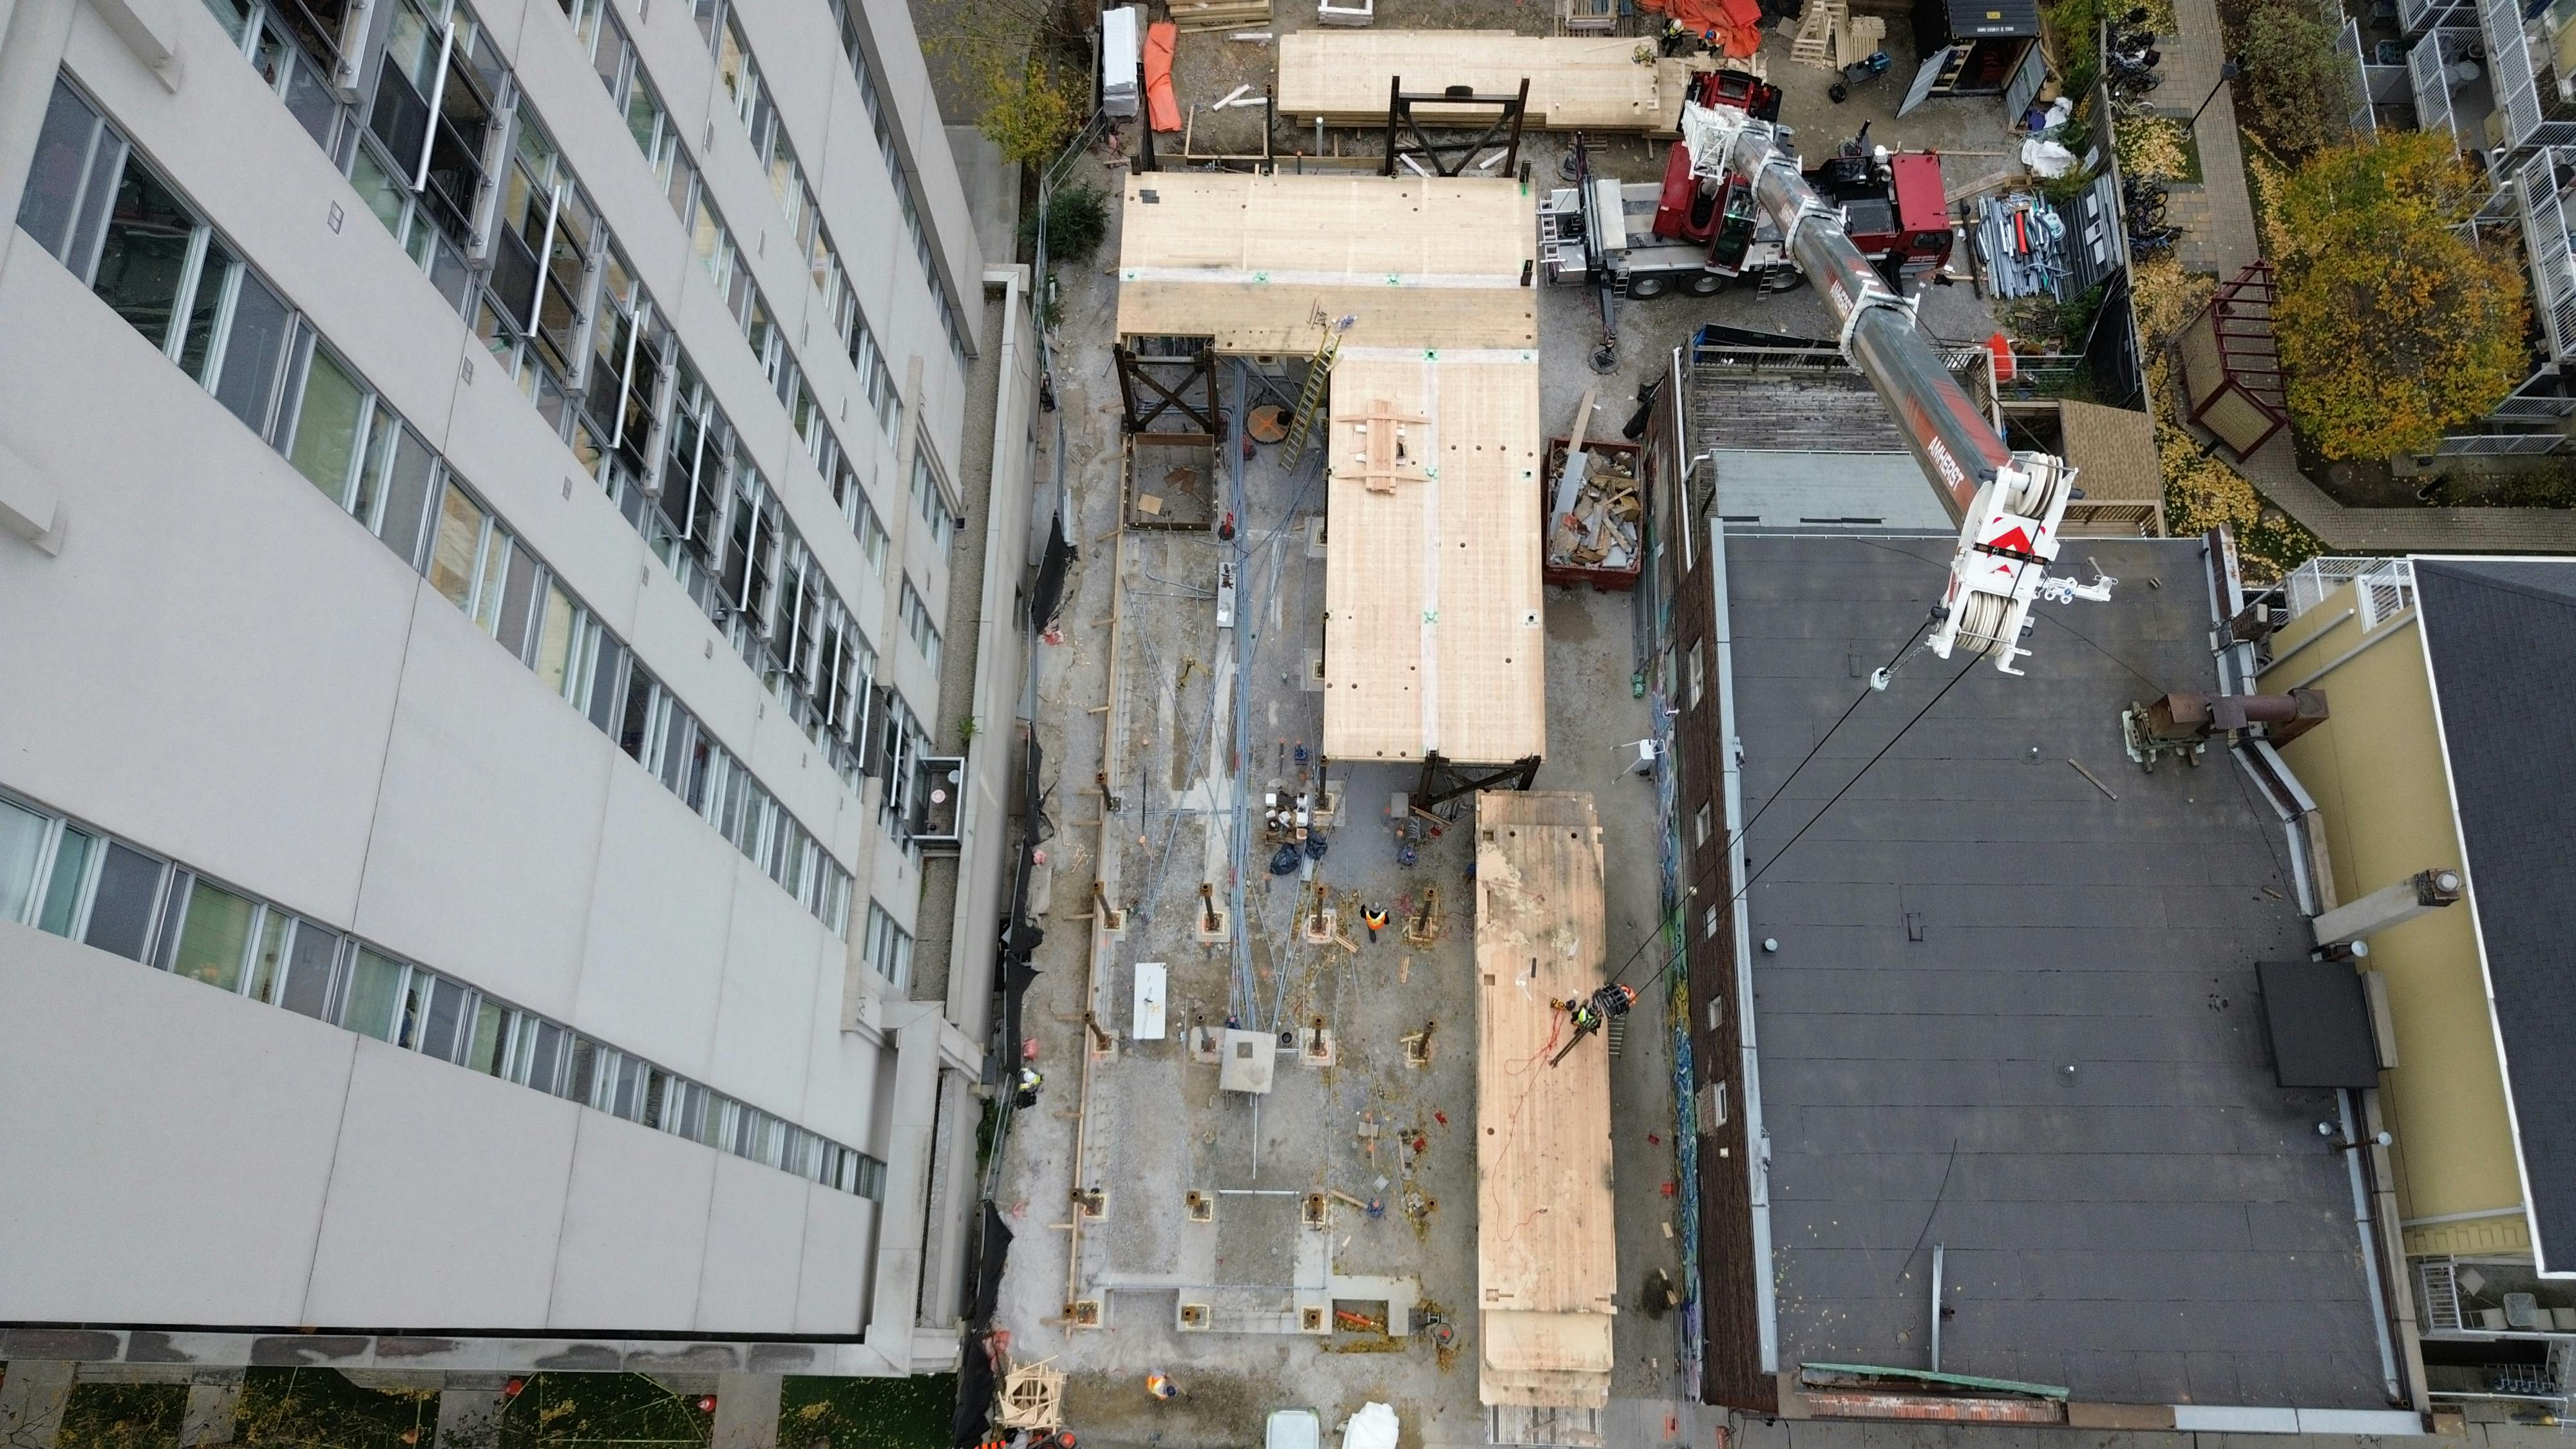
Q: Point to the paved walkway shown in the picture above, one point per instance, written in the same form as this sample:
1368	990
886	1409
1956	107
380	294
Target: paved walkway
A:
2217	220
2274	472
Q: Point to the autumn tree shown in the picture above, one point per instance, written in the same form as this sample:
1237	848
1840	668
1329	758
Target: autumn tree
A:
2295	80
2393	324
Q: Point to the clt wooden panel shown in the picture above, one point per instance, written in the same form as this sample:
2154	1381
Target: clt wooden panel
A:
1547	1274
1253	261
1434	626
1433	635
1576	83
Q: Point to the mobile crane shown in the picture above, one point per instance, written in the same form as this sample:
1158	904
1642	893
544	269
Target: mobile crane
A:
2008	504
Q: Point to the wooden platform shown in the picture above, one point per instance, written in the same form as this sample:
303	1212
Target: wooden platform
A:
1576	82
1547	1272
1434	626
1251	260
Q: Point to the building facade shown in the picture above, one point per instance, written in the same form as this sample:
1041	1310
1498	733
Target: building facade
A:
556	477
2443	754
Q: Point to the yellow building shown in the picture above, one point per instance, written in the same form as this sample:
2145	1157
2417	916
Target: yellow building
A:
2451	747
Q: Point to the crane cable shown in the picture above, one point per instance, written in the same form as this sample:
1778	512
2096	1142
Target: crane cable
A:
1726	848
1811	820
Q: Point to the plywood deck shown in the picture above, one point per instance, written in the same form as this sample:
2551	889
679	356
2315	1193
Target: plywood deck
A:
1547	1275
1252	261
1434	623
1576	83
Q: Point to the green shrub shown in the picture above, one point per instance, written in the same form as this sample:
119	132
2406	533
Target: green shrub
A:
2295	82
1077	219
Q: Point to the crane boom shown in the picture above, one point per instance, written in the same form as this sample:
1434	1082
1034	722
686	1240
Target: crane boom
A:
2008	504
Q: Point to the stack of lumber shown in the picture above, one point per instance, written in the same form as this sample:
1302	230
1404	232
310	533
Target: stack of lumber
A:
1594	520
1857	37
1193	16
1589	83
1546	1253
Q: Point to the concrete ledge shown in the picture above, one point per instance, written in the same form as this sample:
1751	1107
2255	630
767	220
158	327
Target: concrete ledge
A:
443	1354
2119	1416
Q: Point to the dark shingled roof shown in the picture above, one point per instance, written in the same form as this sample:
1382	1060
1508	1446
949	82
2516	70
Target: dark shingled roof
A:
2503	642
2018	1018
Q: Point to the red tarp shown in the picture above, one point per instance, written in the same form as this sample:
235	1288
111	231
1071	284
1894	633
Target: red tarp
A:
1159	105
1734	24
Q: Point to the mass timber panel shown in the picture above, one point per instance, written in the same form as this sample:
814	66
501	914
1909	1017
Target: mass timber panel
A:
1598	84
1547	1275
1434	623
1251	261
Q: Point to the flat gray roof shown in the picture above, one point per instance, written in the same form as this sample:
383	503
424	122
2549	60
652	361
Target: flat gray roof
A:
1802	492
2064	1080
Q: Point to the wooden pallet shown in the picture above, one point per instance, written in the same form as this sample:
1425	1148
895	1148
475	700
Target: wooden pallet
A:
1817	28
1857	37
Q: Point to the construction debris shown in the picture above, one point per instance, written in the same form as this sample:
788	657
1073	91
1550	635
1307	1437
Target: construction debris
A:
1595	518
1032	1398
1194	16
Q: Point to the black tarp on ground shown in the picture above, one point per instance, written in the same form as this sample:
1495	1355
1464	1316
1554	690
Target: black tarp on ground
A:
974	1396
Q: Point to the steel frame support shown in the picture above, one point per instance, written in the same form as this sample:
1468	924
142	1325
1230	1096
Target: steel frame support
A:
1145	396
1452	158
1443	780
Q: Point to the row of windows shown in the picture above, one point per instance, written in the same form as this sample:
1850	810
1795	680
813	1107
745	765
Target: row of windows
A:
84	885
620	69
845	14
552	264
105	213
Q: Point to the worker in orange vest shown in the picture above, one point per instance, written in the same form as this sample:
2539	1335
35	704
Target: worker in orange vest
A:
1374	917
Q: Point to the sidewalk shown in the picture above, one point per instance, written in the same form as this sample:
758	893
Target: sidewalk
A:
2218	220
2274	472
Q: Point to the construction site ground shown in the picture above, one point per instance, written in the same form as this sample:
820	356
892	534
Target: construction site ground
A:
1208	65
1158	1126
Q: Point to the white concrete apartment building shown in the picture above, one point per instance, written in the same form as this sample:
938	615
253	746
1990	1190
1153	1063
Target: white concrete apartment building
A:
507	635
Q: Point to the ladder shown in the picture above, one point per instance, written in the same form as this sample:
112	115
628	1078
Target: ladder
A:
1319	376
2441	1294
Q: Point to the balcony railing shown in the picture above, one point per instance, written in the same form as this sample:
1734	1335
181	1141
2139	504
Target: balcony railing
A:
2417	16
2542	185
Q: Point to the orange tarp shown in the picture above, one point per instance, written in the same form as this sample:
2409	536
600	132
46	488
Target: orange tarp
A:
1159	105
1734	24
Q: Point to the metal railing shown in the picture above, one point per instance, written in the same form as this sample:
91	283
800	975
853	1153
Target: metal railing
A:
2541	186
2509	70
2310	583
2357	115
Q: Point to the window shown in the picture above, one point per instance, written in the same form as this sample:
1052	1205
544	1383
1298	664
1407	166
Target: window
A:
931	500
1699	826
887	948
375	993
1708	923
214	937
1696	676
24	835
330	420
917	623
123	902
296	46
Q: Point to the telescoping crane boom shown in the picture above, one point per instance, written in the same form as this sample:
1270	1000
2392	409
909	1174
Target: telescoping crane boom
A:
2008	504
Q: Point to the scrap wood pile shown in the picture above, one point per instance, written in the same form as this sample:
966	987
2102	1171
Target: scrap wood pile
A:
1194	16
1594	520
1032	1398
